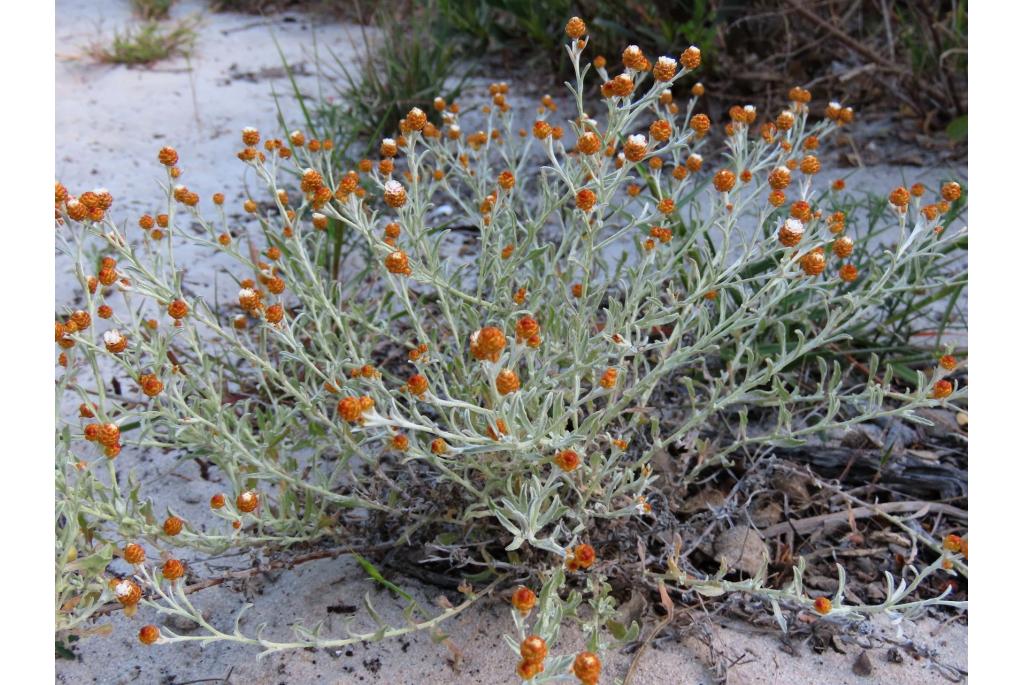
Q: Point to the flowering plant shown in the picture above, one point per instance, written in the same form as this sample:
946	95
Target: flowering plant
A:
521	385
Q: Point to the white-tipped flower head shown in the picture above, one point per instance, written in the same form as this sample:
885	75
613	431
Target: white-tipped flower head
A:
635	147
690	57
394	194
664	69
792	232
248	299
633	58
114	341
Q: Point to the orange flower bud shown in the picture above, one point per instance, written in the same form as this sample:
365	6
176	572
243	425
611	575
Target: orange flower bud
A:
587	667
585	199
526	327
567	460
151	385
950	191
700	124
126	591
813	263
800	210
168	156
900	197
779	178
247	501
848	273
589	143
173	570
177	309
351	409
664	69
524	599
133	553
528	670
173	525
398	263
810	165
635	148
274	313
690	57
149	634
507	382
791	232
724	180
394	194
533	648
487	343
584	556
942	389
417	384
575	28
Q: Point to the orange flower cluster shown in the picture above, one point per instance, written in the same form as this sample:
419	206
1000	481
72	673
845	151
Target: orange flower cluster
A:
524	599
585	199
582	557
620	86
173	526
567	460
506	382
150	385
533	650
126	591
418	352
942	389
247	501
487	344
108	435
397	262
813	262
351	409
172	570
587	667
417	385
839	114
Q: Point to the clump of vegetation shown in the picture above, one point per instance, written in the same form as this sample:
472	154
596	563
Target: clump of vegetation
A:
616	321
152	10
907	56
404	63
148	42
528	29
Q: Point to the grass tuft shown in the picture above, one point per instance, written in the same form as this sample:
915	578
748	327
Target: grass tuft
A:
147	43
152	10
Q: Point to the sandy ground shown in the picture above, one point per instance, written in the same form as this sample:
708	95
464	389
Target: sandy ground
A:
110	122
